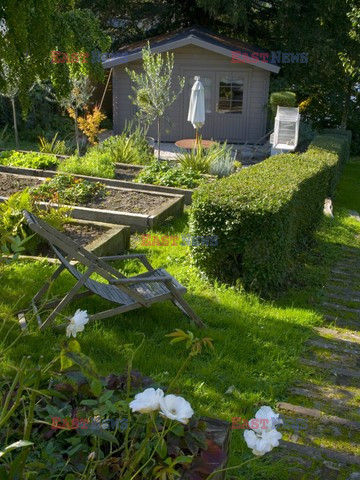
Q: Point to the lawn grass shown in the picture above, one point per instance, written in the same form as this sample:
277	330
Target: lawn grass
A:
348	195
257	343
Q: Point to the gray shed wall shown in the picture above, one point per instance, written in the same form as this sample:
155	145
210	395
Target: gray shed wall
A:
248	126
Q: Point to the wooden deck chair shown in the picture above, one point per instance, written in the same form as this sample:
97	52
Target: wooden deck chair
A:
156	285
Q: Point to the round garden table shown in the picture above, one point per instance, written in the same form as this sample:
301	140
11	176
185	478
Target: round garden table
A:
191	143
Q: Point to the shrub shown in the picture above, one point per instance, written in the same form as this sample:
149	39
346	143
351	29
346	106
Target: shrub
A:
282	99
306	134
263	213
327	145
94	164
90	123
28	160
169	175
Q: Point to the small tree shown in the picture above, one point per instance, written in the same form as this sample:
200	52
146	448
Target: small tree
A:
10	90
89	124
153	93
76	100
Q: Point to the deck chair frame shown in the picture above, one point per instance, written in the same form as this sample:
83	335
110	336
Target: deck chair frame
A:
67	250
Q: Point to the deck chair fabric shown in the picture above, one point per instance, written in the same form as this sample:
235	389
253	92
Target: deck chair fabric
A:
153	286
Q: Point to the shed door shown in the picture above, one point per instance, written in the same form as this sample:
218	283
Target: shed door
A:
231	106
208	80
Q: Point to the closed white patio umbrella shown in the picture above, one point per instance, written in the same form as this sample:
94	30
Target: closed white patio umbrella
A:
196	114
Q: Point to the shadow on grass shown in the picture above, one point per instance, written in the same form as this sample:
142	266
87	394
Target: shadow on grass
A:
256	345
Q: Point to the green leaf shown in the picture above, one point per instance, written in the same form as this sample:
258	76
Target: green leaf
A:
13	446
89	403
177	339
98	432
52	393
178	430
161	448
70	346
106	396
96	387
85	363
3	473
73	450
182	459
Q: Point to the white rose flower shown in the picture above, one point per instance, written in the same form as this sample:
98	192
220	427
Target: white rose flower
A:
147	401
263	436
77	323
262	442
176	408
269	414
265	419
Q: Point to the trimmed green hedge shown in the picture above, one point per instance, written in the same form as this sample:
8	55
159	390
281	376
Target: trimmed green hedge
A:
282	99
263	213
331	142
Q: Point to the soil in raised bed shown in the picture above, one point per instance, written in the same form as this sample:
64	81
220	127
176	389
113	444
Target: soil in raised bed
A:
81	234
128	201
116	200
10	184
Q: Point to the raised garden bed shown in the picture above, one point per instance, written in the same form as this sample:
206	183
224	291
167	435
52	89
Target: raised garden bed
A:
138	209
100	238
10	184
125	174
218	431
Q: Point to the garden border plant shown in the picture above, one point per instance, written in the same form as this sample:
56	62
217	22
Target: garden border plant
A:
161	437
263	214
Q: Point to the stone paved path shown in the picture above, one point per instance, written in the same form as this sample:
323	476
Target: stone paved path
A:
324	443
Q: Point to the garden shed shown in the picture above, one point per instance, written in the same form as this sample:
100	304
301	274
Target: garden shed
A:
235	76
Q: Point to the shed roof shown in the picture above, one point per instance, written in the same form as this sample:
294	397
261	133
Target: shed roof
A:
198	36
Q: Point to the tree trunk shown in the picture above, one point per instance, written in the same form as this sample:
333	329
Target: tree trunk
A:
158	142
346	106
76	132
15	123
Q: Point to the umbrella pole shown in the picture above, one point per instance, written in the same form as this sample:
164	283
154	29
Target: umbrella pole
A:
197	137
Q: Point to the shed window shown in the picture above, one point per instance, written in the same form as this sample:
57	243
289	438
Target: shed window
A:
230	95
